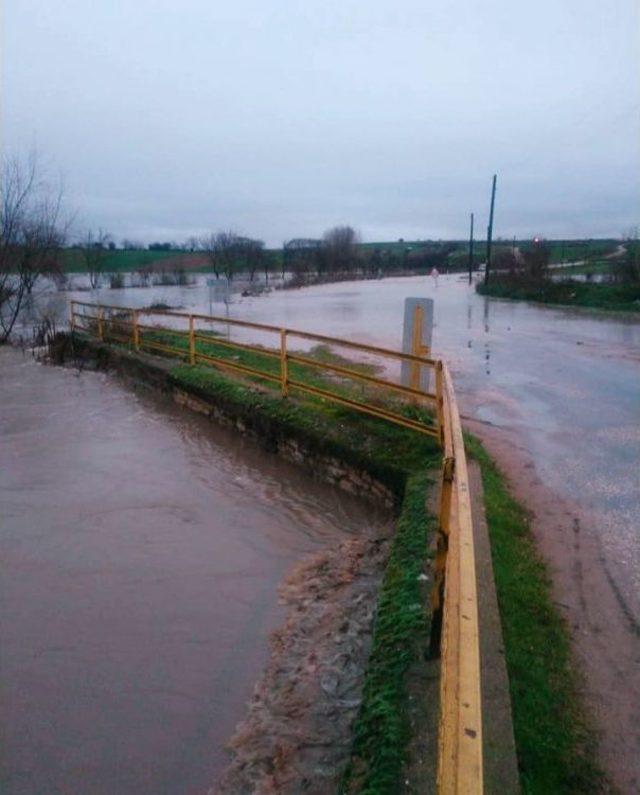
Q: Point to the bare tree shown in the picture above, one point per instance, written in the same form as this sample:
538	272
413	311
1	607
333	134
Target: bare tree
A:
301	255
253	254
32	233
192	243
94	248
223	250
340	247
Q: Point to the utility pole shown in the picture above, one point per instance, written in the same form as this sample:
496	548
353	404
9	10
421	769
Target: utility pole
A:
471	249
490	231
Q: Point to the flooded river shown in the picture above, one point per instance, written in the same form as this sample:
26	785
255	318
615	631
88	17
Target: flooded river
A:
141	552
555	392
566	380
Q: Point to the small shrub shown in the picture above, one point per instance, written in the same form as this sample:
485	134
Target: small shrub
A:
116	281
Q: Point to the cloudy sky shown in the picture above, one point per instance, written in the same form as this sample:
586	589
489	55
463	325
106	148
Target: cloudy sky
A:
280	118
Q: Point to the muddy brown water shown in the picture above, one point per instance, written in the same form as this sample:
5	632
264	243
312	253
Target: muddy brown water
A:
555	393
567	380
141	553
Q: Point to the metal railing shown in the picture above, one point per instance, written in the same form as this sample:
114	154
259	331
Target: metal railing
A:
123	324
455	632
455	616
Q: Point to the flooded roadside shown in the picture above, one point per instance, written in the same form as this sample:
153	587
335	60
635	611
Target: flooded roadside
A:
555	394
142	551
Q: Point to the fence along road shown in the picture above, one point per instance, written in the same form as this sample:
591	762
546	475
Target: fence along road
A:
455	631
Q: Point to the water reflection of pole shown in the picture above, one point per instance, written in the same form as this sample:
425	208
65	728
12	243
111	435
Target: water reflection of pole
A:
487	349
471	249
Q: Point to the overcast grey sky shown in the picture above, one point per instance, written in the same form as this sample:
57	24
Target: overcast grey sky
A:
280	118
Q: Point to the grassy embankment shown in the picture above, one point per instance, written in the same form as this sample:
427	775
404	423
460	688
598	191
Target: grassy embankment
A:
597	296
553	740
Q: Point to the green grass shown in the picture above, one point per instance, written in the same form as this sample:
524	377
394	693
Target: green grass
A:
388	451
382	729
575	250
555	745
350	388
593	266
624	298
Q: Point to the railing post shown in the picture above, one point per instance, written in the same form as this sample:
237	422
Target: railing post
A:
440	401
284	374
72	316
416	346
192	342
440	563
101	324
136	330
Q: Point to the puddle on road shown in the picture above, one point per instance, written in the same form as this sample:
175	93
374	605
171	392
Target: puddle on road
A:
142	549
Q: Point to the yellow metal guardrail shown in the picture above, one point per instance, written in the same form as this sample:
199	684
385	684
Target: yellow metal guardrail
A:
455	632
455	607
123	324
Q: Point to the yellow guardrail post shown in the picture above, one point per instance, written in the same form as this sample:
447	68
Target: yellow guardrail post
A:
72	316
440	401
192	342
416	346
136	330
460	765
284	374
101	324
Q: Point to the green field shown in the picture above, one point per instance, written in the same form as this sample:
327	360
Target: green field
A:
570	251
119	260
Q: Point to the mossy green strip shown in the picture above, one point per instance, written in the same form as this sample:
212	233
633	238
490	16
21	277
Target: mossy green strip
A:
400	637
554	742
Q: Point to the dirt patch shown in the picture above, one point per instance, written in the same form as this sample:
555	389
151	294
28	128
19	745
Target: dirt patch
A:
605	638
297	736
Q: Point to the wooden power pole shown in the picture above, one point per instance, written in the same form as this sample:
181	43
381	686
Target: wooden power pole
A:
490	231
471	249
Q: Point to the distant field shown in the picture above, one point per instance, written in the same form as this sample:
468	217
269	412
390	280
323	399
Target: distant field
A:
126	261
592	266
591	251
576	250
567	250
